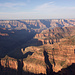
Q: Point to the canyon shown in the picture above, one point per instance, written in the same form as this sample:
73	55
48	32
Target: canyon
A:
37	47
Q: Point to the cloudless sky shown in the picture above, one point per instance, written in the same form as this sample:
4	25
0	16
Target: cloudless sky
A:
37	9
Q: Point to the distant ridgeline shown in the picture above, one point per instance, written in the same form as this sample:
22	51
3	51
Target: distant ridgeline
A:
36	25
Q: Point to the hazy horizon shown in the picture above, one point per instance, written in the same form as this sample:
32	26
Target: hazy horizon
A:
40	9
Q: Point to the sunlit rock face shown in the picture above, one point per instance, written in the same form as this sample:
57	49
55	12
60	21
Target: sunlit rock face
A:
59	55
9	62
51	36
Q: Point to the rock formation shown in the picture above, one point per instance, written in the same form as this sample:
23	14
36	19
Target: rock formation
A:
50	52
54	35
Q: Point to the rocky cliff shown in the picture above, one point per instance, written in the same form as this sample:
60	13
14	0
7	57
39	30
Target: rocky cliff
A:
53	57
51	36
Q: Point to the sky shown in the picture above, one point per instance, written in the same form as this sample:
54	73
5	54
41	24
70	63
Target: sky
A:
37	9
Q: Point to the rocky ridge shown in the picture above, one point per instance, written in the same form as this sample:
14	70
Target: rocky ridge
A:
37	25
54	35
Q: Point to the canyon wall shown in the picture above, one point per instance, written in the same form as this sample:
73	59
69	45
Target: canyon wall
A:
55	35
60	56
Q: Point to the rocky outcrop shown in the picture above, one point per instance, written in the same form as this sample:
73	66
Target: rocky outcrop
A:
51	36
36	69
9	62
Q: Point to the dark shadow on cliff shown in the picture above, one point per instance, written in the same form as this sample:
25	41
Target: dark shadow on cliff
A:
48	64
20	55
70	70
20	66
32	42
13	40
12	44
0	66
20	70
59	25
10	71
53	57
46	22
